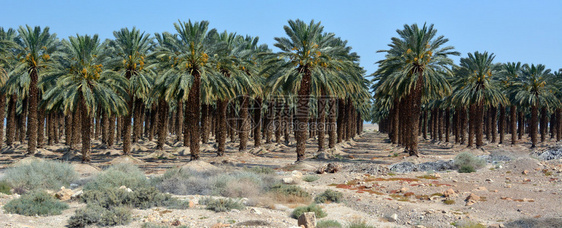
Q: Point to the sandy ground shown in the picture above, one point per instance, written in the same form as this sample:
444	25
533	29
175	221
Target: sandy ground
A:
523	188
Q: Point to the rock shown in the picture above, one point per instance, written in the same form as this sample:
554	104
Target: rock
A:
329	168
481	189
176	223
64	194
404	190
296	174
393	218
308	220
489	180
323	156
191	204
449	193
403	167
255	211
77	194
125	187
472	199
525	172
220	225
288	180
550	154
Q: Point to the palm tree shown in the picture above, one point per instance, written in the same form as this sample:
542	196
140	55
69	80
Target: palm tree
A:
477	89
305	54
413	68
508	77
36	45
131	47
82	85
535	90
187	55
7	47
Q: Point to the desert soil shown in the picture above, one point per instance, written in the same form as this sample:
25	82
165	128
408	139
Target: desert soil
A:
523	187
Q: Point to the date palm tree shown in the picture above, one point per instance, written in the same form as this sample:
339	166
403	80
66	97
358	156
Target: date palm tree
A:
535	90
305	53
82	85
508	77
7	48
187	56
478	89
35	47
416	65
130	48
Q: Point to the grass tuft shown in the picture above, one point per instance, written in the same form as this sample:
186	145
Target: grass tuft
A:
328	224
310	208
38	175
329	196
222	205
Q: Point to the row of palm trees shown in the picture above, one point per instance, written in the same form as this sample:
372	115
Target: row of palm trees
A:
419	89
193	83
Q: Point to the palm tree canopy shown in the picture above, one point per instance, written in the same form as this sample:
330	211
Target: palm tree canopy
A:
417	53
536	87
79	77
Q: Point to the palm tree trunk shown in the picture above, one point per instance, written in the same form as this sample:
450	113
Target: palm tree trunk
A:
413	116
68	129
111	130
544	123
278	122
341	115
205	128
559	124
321	122
348	119
533	125
332	123
221	137
463	124
447	124
126	125
50	128
11	121
257	122
479	124
153	121
424	125
32	121
269	122
40	129
502	122
137	121
162	123
493	123
179	121
440	124
22	121
553	125
105	127
302	114
244	123
193	115
76	128
2	113
513	128
472	126
521	129
86	131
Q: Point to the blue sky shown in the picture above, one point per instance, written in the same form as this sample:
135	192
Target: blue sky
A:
526	31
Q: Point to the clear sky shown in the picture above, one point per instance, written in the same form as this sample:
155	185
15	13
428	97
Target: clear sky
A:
515	30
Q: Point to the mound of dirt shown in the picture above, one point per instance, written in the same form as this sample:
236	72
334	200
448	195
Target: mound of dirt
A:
86	169
524	163
199	166
126	159
160	155
25	161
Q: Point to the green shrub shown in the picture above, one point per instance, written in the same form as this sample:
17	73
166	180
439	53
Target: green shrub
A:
310	208
141	198
360	224
466	161
222	205
466	169
329	196
36	203
468	224
289	190
39	174
310	178
234	184
119	175
328	224
449	202
96	215
261	170
5	188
